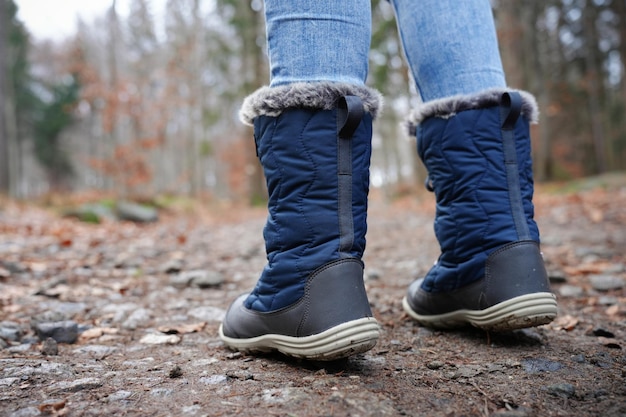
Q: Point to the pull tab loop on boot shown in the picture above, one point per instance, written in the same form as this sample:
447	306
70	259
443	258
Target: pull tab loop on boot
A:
349	115
510	111
350	112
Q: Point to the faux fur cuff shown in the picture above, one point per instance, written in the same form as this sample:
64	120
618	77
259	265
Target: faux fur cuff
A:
449	106
272	101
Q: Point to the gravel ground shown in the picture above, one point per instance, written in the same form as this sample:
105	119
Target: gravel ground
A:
121	319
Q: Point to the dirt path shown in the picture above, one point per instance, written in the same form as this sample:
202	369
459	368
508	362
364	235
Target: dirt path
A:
145	303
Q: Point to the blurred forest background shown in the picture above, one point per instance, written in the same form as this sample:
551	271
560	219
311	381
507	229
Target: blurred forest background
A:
138	105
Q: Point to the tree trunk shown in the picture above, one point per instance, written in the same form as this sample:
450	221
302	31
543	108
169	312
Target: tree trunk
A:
538	49
619	7
256	67
4	144
112	137
8	132
595	100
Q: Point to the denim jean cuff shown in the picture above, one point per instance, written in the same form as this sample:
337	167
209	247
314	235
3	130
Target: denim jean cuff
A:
449	106
272	101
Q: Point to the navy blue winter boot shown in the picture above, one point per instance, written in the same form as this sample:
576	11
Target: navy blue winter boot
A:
490	273
314	143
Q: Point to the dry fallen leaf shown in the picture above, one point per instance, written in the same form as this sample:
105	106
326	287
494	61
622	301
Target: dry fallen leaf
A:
96	332
613	310
595	267
566	323
55	409
595	215
182	328
609	342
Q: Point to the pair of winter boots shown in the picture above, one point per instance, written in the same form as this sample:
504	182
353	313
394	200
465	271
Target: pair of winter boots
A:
314	143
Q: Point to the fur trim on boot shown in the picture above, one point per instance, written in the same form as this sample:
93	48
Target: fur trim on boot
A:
272	101
447	107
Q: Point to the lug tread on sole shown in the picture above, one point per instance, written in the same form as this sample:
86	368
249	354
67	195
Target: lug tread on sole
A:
528	310
338	342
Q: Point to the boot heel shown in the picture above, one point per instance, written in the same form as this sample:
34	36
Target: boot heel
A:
338	342
332	320
520	312
517	313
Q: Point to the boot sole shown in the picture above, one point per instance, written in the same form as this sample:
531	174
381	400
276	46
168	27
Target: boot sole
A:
338	342
528	310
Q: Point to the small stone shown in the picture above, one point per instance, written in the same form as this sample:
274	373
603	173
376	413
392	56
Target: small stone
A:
373	274
50	347
24	347
176	372
570	291
26	412
603	333
199	278
160	339
7	382
536	365
519	412
281	395
200	363
240	375
70	309
234	355
208	313
48	317
161	392
600	393
61	331
191	410
607	300
126	260
557	277
120	395
604	282
137	319
10	331
208	279
435	365
134	212
585	251
172	266
14	267
4	273
214	379
179	281
561	390
95	351
82	384
468	371
91	213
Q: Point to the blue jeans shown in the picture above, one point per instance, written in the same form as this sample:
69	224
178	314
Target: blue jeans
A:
450	45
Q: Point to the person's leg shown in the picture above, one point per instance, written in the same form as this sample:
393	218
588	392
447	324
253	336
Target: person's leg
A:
313	41
450	45
473	137
313	130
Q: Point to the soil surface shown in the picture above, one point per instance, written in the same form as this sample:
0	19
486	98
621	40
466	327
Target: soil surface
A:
121	319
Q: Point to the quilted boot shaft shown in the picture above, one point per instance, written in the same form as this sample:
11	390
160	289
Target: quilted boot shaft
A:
316	164
479	164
